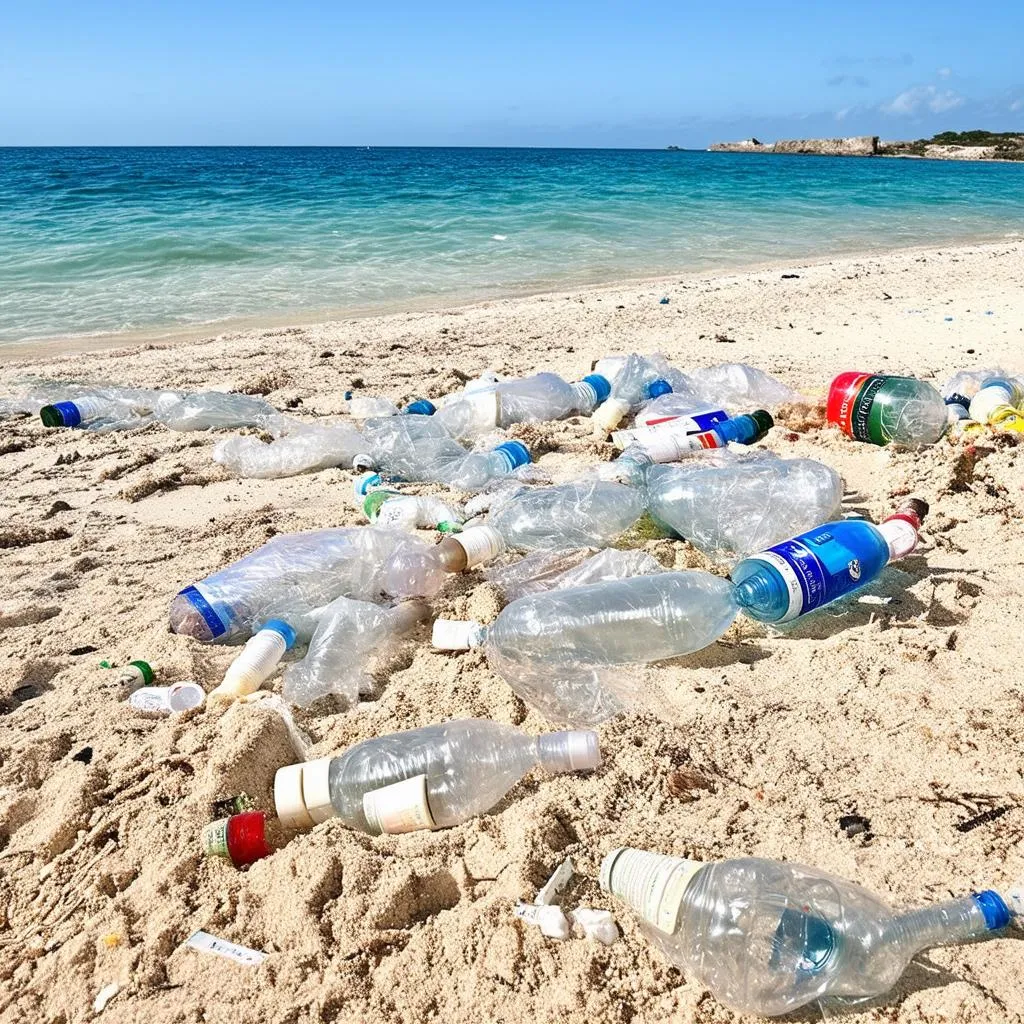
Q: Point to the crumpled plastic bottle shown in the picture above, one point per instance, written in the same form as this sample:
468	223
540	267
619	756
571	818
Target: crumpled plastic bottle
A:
640	378
300	448
211	410
295	574
564	652
585	513
768	937
729	505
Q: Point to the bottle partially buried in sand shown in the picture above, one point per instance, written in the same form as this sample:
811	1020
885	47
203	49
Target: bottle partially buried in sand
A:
768	937
435	777
824	564
882	409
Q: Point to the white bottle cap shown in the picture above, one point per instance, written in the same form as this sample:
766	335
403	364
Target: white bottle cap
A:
570	750
316	791
288	802
185	696
456	634
608	415
481	544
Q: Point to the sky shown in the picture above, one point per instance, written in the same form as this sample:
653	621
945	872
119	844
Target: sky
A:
500	73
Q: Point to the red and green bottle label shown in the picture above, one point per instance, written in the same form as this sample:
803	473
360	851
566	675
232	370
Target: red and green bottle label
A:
852	406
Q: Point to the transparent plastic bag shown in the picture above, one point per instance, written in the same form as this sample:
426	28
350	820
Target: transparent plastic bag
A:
302	449
545	570
208	410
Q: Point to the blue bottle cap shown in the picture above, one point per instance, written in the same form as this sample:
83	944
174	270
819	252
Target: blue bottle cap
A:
658	387
602	388
282	627
997	913
347	396
515	452
60	414
958	399
421	407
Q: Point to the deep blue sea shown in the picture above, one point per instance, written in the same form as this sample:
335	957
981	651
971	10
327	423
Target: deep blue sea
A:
109	240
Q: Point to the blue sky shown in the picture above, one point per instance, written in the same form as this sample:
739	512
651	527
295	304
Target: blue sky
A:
503	73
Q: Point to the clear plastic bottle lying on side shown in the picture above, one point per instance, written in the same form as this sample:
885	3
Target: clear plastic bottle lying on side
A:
537	399
639	380
822	565
886	410
435	777
768	937
563	651
394	510
295	574
670	443
211	410
728	506
105	408
587	513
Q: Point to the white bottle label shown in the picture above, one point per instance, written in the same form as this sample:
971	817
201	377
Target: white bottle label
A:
207	943
481	544
400	807
654	889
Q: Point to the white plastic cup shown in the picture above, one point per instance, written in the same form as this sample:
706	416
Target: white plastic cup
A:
167	700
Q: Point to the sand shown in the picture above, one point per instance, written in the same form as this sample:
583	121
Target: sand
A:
907	713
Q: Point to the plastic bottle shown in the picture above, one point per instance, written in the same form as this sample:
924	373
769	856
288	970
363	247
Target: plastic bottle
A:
396	511
302	449
586	513
435	777
995	395
208	410
738	386
883	409
131	677
257	661
295	574
768	937
822	565
639	379
563	651
670	442
104	408
728	506
958	417
166	700
678	410
536	399
348	634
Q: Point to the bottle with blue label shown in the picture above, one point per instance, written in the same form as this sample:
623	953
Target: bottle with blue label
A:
822	565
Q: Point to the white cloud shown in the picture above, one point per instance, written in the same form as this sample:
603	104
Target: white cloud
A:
1017	105
938	101
841	114
944	72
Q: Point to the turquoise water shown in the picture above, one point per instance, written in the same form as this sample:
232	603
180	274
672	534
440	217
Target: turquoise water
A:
108	240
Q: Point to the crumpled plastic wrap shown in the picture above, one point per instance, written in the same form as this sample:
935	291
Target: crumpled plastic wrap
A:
294	575
968	382
730	506
566	652
741	387
348	635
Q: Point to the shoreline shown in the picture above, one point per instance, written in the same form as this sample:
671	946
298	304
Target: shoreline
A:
14	353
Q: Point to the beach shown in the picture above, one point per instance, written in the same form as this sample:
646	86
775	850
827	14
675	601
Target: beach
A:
905	713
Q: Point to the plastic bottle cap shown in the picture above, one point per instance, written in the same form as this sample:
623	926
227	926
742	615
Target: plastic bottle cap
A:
185	696
516	454
148	674
658	387
288	801
481	544
764	420
363	484
456	634
601	385
282	628
996	912
608	415
316	790
421	407
60	414
363	461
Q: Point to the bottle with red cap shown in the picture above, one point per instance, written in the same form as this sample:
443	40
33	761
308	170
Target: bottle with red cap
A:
882	410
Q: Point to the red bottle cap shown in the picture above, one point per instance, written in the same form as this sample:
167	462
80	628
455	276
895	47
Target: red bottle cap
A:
841	396
247	838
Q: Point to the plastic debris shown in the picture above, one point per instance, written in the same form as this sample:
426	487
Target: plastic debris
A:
549	919
166	700
204	942
560	878
885	410
598	925
104	996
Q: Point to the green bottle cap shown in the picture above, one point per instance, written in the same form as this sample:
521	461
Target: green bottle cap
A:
373	501
148	675
447	527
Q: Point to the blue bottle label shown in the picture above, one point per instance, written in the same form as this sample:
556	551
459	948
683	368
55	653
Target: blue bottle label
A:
816	567
708	420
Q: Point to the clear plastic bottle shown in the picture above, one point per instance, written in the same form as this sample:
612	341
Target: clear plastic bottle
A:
675	409
435	777
886	410
729	506
822	565
303	449
295	574
768	937
562	651
537	399
672	441
393	510
738	386
586	513
640	379
211	410
104	408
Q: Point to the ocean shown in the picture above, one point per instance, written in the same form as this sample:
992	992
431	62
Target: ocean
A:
102	241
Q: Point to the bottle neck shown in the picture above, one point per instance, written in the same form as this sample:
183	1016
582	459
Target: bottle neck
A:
950	922
570	750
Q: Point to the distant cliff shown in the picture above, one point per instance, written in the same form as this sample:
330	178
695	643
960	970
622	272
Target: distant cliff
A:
974	145
857	145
